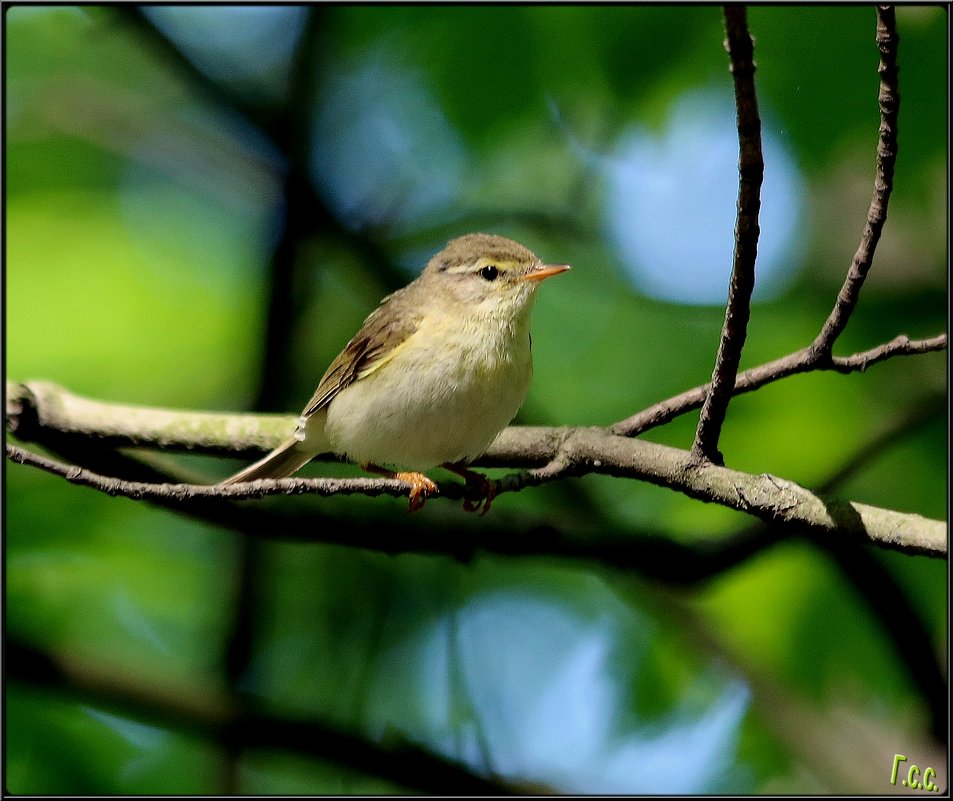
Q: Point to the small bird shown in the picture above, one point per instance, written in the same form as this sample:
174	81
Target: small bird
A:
434	374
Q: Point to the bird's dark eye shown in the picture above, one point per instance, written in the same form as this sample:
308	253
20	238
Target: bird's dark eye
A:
490	272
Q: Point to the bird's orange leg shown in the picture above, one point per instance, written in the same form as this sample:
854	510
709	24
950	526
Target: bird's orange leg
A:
420	485
478	482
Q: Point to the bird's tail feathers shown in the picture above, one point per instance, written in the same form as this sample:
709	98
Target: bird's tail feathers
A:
286	459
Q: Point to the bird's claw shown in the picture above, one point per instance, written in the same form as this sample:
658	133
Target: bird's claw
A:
477	484
421	488
486	489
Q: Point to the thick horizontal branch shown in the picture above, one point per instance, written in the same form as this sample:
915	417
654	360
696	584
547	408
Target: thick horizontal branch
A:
773	500
565	452
39	407
36	408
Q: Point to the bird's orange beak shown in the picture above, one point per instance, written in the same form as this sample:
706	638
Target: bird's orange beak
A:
542	271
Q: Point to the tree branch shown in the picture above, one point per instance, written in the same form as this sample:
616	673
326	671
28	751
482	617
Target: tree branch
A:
771	499
889	100
39	407
751	173
36	409
565	452
818	355
801	361
651	555
648	554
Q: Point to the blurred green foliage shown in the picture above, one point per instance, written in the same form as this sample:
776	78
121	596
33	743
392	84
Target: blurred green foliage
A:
143	204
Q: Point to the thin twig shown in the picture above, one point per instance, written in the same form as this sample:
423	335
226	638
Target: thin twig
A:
640	551
751	173
771	499
140	490
801	361
818	355
889	100
899	344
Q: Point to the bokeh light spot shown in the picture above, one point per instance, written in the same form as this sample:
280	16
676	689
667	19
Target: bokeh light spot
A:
670	210
383	152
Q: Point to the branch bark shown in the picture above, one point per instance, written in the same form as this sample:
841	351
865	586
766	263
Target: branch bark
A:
889	101
37	408
565	452
801	361
751	174
818	356
552	453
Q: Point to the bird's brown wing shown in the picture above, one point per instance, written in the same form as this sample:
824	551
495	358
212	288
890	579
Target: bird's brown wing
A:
379	337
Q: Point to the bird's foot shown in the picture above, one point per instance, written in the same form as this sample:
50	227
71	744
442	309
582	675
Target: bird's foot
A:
420	488
477	484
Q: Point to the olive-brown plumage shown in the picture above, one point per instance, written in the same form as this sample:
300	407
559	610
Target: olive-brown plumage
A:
433	375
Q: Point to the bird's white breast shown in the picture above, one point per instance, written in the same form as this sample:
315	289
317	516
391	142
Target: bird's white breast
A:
443	397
